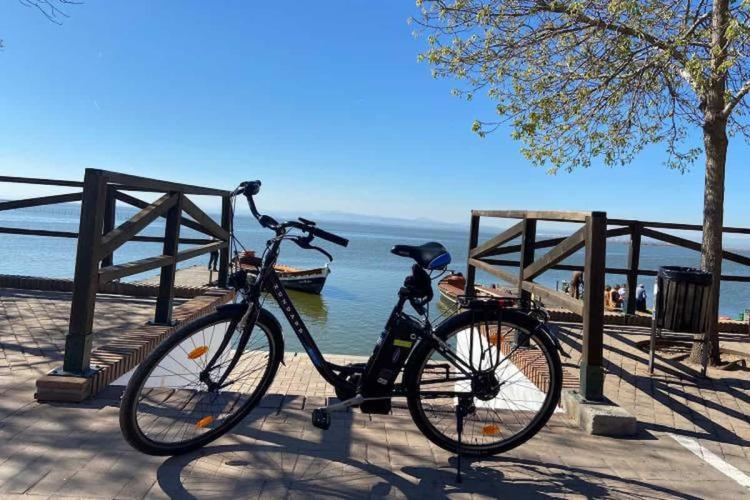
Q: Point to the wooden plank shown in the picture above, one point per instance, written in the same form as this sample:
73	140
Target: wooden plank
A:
165	297
110	213
471	271
566	248
499	273
634	258
203	249
138	203
134	182
517	248
693	245
81	320
42	200
571	267
494	242
739	279
527	253
558	298
40	182
676	225
618	231
107	274
204	220
592	352
227	219
37	232
125	231
69	234
534	214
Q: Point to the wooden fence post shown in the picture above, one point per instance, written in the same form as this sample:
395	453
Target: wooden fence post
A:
86	277
592	356
110	204
165	298
527	254
634	257
471	271
226	224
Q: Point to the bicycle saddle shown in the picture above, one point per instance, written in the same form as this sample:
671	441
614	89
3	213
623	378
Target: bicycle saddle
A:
431	255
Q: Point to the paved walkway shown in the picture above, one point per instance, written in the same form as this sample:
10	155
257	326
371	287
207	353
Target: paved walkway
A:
76	450
714	410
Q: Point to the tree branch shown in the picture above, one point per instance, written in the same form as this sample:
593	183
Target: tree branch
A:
559	8
734	101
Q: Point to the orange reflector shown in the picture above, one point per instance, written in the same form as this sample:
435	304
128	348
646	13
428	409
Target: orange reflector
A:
493	338
198	352
204	422
491	430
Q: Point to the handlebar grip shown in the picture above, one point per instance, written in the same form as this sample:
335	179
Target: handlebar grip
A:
325	235
248	188
252	188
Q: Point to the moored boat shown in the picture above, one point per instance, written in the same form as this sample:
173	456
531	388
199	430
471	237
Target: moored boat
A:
305	280
453	285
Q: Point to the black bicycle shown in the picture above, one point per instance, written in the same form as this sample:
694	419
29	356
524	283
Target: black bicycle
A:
483	381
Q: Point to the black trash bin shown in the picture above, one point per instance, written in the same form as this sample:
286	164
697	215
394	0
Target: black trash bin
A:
682	299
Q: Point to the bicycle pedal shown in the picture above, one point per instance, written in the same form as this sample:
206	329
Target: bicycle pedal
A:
321	419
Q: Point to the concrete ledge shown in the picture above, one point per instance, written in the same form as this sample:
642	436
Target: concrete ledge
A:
56	388
602	419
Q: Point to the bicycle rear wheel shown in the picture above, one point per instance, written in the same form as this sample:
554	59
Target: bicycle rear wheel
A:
168	408
509	391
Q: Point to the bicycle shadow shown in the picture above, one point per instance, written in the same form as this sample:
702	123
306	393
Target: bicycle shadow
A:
269	463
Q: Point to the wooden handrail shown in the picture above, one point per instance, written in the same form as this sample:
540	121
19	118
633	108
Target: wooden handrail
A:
39	181
135	183
40	201
674	225
692	245
534	214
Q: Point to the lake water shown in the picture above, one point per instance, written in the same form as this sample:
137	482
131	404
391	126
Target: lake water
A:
361	290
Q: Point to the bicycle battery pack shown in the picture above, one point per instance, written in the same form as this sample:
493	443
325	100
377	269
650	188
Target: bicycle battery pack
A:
384	365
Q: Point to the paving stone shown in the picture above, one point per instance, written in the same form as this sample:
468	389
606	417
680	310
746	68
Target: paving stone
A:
77	450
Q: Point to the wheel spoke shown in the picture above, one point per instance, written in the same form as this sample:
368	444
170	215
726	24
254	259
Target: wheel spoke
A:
174	405
512	387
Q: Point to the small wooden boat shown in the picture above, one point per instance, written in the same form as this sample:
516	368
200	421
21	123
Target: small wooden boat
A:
454	284
304	280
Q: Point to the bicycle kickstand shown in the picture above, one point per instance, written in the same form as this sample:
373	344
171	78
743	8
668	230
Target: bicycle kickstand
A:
463	408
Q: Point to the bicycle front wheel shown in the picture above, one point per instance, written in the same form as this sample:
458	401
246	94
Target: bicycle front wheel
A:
173	405
502	373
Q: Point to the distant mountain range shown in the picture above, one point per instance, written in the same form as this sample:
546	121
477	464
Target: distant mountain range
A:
348	217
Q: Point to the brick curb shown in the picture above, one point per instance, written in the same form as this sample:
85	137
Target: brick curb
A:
122	355
117	288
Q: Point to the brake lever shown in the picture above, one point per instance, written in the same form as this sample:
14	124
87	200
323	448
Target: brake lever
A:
304	243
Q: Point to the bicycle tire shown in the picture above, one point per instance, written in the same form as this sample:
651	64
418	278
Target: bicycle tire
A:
129	424
451	327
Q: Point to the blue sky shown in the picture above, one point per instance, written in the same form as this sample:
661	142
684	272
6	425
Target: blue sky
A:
327	105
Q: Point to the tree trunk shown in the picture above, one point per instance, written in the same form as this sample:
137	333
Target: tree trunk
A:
715	142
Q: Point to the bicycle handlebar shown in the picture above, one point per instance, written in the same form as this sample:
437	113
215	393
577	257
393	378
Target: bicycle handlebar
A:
251	188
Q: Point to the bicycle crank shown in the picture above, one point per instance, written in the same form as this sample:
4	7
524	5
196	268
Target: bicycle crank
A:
321	417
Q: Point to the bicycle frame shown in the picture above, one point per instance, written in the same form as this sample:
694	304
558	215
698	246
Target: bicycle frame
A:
268	281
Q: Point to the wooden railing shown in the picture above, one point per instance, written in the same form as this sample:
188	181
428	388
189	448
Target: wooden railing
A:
592	235
98	238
